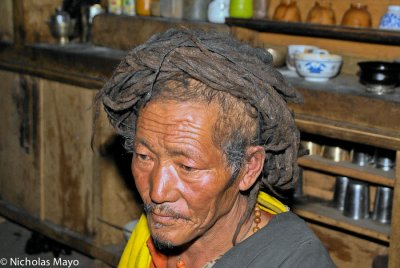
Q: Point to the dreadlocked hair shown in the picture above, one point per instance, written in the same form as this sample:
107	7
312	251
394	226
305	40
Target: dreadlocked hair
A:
227	72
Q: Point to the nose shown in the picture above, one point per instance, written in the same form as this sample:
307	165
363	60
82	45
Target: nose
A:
163	183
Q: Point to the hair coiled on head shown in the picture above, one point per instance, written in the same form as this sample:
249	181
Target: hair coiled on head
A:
223	64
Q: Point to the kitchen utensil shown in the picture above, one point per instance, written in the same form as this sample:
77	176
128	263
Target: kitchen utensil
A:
335	153
356	202
288	11
318	66
321	14
391	19
195	9
339	193
385	159
379	77
312	147
62	26
296	49
363	155
383	204
357	16
278	55
241	9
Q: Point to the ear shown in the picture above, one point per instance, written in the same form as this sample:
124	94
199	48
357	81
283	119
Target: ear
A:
255	157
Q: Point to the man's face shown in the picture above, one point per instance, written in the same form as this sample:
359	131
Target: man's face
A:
180	174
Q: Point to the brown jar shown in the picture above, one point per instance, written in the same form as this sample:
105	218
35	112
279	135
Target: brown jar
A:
287	10
357	16
321	14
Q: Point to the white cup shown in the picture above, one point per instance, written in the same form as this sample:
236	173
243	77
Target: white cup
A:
297	49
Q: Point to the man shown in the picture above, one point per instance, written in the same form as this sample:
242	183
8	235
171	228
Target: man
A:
206	119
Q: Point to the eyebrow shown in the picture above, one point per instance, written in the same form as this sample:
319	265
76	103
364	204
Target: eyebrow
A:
144	143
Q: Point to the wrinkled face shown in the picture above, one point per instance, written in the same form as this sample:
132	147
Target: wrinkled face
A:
180	174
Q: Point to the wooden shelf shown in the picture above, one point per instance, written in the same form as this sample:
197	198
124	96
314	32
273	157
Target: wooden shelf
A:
320	211
368	174
367	35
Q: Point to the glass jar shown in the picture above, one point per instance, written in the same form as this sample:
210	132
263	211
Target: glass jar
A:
391	19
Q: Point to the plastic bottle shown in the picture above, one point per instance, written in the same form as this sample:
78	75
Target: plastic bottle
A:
241	9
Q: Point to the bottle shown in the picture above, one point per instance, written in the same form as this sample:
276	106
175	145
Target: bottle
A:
218	10
195	9
115	6
143	7
171	8
260	9
241	9
391	19
129	7
321	14
357	16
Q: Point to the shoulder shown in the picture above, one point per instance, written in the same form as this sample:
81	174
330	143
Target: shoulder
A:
286	241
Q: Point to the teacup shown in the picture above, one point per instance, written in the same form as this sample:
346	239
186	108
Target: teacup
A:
297	49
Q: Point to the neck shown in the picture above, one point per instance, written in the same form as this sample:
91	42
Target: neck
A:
218	240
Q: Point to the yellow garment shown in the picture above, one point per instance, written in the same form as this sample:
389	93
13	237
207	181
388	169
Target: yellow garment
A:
137	255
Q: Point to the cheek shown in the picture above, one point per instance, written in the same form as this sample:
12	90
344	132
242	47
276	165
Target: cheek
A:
141	181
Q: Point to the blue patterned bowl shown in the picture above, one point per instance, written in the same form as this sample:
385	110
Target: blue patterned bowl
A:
318	67
391	19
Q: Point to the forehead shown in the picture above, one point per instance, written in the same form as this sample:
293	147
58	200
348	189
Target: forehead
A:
175	121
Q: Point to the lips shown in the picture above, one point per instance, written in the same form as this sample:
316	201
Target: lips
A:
163	219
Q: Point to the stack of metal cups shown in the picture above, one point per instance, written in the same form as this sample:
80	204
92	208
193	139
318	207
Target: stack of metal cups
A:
382	211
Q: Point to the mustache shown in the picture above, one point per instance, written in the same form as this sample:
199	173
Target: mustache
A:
164	209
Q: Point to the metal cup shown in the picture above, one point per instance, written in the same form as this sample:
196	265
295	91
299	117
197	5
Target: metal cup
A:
356	203
383	204
362	158
340	192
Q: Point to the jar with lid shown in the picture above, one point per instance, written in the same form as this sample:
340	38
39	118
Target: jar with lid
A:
321	13
391	19
288	11
357	16
241	9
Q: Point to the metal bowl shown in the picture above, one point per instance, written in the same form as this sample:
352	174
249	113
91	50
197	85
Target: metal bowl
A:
278	55
379	76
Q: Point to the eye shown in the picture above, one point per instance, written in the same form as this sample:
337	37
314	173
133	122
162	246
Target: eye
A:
187	168
142	157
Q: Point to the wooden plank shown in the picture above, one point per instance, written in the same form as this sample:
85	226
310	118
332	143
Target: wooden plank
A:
109	255
376	8
19	142
67	161
6	21
346	250
394	256
143	27
320	185
366	35
320	211
348	132
347	169
117	200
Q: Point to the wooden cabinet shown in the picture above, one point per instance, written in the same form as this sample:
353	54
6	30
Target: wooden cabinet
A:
51	180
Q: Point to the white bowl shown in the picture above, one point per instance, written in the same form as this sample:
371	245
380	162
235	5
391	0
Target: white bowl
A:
297	49
318	67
